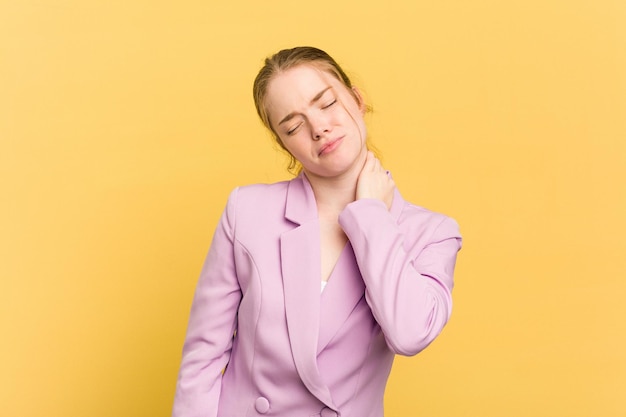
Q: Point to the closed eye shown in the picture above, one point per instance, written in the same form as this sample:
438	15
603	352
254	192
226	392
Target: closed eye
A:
293	129
330	104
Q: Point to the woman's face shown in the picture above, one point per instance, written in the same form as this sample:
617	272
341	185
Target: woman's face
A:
318	120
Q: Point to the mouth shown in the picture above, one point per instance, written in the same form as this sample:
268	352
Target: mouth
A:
329	146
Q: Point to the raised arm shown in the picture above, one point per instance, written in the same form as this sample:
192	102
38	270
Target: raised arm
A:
407	265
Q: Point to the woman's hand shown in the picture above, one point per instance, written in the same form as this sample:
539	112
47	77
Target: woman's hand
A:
374	182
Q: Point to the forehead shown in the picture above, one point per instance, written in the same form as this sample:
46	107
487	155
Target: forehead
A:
294	88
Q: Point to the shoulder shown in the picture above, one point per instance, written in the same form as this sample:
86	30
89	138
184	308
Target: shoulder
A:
260	191
414	213
256	211
428	224
256	200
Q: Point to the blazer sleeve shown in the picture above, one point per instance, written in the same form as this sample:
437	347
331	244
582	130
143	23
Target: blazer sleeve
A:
212	323
408	278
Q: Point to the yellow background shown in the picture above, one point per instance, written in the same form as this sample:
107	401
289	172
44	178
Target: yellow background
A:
124	125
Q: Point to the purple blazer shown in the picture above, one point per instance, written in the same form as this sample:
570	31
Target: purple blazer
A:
263	341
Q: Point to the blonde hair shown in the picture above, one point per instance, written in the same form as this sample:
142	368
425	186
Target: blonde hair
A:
282	61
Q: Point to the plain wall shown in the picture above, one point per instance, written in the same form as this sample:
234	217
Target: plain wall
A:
124	125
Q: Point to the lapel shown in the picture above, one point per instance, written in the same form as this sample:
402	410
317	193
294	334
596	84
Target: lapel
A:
301	271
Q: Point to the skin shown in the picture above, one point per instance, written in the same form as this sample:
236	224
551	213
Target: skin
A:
320	122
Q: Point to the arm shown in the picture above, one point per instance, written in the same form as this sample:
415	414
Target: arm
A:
408	278
212	323
407	264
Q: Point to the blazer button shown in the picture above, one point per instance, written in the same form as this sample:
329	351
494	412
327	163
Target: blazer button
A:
327	412
262	405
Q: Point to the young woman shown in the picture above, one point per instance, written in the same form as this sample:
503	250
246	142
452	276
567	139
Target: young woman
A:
263	338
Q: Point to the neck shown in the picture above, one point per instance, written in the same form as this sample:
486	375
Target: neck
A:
332	194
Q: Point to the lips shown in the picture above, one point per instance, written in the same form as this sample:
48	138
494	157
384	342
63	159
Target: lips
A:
329	146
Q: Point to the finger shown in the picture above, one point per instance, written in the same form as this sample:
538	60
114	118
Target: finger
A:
369	161
378	166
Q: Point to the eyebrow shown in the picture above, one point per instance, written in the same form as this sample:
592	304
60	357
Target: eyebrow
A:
313	100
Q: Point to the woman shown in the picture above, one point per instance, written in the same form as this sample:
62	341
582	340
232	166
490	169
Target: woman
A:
262	340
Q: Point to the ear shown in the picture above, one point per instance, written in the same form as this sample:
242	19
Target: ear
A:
359	99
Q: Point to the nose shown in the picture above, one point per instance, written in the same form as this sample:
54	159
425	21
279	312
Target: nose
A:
320	126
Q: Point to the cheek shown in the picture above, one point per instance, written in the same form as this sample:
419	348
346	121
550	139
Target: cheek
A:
359	121
361	124
293	145
354	115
